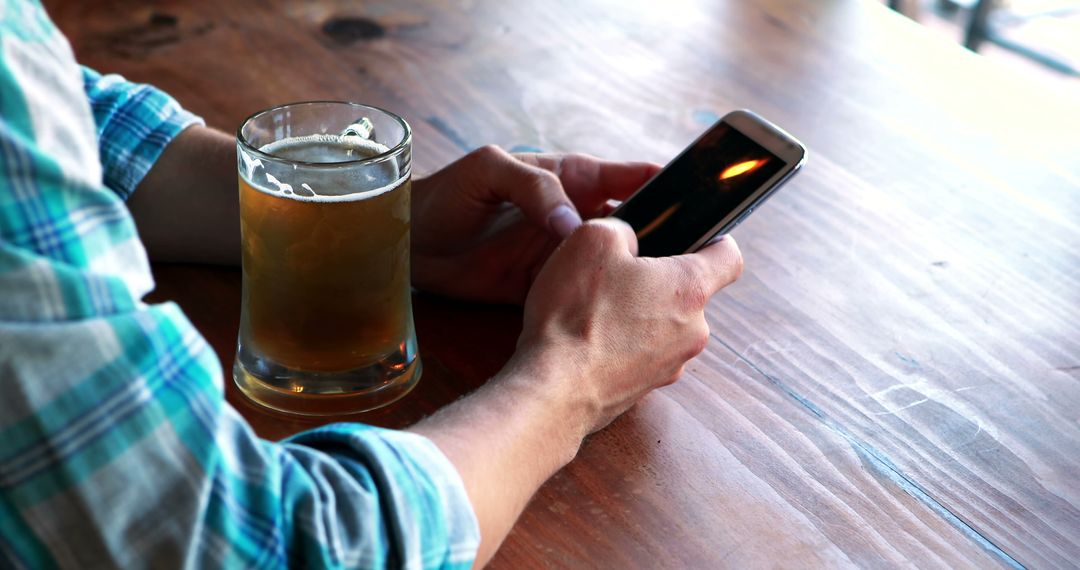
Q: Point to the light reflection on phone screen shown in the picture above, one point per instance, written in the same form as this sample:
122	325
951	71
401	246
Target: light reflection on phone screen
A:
697	190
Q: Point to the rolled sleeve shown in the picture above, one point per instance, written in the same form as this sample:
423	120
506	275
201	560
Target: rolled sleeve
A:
410	504
135	122
102	438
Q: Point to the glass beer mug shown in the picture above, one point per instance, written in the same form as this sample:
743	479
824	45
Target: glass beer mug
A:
326	323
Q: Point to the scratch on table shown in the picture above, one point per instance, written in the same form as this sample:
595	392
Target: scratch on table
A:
971	440
901	408
764	353
944	396
910	361
881	463
886	391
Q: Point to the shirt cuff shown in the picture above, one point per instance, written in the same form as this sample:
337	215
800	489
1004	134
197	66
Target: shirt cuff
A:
462	527
428	508
135	122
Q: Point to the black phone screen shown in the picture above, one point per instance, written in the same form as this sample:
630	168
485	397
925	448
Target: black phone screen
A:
694	192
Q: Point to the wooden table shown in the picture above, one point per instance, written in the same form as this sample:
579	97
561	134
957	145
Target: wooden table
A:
895	381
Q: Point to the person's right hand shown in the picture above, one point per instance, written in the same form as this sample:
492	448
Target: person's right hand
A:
616	326
602	328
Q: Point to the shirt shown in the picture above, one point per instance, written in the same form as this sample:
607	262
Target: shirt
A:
117	448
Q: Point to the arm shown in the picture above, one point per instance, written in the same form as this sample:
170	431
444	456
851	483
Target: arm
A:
187	208
506	440
178	176
602	328
528	422
587	353
117	447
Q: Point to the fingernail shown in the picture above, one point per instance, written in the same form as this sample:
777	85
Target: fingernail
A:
563	220
716	239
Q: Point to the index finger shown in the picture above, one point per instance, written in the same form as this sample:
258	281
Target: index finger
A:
589	181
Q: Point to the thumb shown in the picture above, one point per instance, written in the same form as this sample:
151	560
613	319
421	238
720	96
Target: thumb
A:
537	192
610	234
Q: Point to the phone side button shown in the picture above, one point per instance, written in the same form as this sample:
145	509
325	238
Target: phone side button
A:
744	215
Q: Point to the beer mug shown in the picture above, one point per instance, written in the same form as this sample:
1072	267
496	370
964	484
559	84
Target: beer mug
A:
326	323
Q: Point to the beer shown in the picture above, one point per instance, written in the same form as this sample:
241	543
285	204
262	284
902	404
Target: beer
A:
326	275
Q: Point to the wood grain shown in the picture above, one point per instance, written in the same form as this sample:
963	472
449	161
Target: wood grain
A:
894	381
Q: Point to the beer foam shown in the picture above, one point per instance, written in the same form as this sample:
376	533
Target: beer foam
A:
328	149
325	148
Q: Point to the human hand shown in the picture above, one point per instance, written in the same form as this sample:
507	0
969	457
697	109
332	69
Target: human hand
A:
483	226
602	328
615	326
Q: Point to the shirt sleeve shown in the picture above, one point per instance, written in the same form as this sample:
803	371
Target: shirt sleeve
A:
117	448
135	122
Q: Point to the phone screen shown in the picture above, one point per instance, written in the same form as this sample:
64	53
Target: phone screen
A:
694	192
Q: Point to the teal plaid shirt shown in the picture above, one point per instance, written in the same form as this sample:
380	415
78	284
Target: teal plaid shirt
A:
117	448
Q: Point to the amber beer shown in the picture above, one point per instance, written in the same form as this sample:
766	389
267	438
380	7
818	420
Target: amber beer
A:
326	282
326	320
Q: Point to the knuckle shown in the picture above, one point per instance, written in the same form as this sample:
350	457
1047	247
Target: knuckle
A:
544	180
697	295
601	247
702	335
730	263
691	288
596	233
697	340
587	244
561	164
487	153
490	150
737	266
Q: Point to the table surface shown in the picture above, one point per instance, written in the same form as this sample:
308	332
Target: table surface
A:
894	381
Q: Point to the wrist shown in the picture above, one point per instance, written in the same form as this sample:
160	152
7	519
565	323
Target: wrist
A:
550	382
509	437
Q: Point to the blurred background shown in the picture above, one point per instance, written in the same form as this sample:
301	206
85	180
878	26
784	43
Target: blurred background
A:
1038	38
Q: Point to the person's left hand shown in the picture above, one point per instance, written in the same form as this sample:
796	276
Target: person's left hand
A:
483	226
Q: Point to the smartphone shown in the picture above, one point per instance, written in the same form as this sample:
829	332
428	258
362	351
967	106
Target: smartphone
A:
711	186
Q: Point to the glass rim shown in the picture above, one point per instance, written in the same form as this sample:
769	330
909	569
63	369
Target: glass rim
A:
390	153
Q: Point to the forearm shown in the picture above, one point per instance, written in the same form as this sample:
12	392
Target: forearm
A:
507	439
186	208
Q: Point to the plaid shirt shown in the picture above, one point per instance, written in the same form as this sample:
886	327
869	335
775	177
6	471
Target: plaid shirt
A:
117	448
